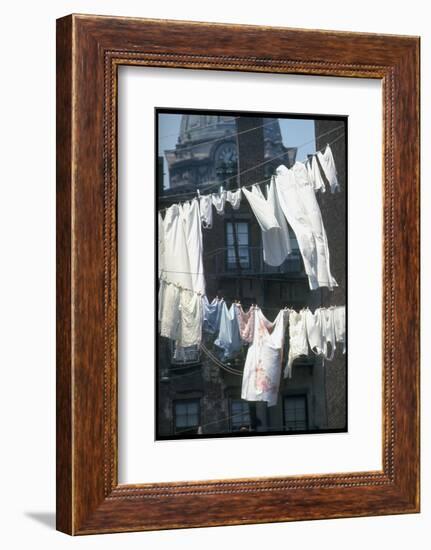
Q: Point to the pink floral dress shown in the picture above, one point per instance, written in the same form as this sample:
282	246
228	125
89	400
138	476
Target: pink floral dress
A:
262	369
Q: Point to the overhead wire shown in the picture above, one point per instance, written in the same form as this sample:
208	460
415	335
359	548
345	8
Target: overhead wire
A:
219	363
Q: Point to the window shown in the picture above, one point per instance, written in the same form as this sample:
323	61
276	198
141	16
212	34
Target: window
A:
295	413
239	415
242	236
187	416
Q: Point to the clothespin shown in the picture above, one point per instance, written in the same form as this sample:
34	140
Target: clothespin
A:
198	193
221	190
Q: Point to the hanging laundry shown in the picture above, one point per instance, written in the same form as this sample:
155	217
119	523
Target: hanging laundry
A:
190	319
298	343
181	276
206	209
315	175
193	234
211	314
327	161
298	202
245	323
326	326
160	244
275	234
328	332
276	241
262	209
314	331
229	339
262	369
176	268
219	200
161	294
234	198
339	314
169	310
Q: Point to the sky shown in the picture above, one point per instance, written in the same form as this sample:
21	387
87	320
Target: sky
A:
294	133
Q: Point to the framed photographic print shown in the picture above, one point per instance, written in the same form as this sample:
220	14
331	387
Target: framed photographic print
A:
237	276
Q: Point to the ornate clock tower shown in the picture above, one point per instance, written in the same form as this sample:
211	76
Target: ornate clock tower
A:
207	150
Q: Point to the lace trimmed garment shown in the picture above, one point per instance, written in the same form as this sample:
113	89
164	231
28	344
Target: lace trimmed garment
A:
245	323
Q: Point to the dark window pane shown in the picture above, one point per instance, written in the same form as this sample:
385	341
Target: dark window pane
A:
242	242
295	412
240	414
187	415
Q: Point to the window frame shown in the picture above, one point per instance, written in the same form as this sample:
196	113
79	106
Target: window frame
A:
232	266
304	396
188	400
233	400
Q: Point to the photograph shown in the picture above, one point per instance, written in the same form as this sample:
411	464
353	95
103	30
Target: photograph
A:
251	273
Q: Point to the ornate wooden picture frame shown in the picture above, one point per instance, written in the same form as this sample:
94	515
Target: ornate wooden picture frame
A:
89	51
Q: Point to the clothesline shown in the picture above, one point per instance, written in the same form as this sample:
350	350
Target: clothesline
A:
237	301
220	183
246	276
